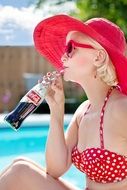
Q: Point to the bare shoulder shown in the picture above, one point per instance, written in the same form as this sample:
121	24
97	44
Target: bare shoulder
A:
81	110
119	108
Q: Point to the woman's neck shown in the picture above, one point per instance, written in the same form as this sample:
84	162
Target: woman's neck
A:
96	94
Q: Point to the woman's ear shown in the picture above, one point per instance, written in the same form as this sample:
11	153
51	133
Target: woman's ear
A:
101	57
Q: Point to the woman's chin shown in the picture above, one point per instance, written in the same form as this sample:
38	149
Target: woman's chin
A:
66	79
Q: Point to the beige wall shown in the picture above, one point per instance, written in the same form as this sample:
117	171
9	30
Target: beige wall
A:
14	61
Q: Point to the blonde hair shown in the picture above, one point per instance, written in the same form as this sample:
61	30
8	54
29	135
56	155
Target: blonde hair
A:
107	73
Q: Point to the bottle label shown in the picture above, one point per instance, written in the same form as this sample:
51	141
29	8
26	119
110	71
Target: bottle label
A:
34	97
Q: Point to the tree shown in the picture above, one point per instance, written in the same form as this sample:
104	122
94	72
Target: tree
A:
39	3
114	10
110	9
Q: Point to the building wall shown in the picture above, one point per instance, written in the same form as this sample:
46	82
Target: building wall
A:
14	62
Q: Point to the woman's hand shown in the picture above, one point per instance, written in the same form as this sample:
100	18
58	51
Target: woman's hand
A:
55	93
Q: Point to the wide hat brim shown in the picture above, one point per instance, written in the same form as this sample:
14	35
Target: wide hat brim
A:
50	41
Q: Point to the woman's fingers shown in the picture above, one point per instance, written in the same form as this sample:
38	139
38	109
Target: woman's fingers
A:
57	84
50	77
55	92
54	83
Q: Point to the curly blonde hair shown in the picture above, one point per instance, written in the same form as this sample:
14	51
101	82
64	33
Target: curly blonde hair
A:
107	73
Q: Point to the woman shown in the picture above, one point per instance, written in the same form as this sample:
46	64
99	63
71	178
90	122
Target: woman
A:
93	55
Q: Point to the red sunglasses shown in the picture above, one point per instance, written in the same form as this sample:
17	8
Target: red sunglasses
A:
71	46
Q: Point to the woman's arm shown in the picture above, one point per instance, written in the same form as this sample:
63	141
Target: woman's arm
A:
58	149
59	146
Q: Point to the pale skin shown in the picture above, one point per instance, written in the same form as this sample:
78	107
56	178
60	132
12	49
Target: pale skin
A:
83	131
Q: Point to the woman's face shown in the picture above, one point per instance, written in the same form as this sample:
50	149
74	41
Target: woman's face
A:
78	60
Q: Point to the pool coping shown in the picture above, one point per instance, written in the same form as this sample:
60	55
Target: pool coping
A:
35	118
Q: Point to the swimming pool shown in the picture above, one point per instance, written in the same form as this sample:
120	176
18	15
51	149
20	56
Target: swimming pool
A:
29	141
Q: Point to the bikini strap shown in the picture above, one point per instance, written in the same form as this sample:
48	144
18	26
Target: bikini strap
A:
102	117
87	109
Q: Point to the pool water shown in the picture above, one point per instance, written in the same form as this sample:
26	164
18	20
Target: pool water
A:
29	141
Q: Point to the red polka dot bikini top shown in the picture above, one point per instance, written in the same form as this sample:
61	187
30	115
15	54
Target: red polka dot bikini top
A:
99	164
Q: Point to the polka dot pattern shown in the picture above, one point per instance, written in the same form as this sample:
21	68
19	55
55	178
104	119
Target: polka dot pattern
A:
100	165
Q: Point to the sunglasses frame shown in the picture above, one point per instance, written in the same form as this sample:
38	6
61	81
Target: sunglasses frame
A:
76	44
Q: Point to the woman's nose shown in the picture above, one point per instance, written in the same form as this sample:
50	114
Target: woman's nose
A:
64	58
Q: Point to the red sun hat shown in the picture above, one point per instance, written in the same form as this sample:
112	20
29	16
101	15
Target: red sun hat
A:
50	41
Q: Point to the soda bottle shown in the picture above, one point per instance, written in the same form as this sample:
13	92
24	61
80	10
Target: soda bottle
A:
31	101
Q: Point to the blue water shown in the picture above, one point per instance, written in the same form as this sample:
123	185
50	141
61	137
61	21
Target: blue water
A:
29	141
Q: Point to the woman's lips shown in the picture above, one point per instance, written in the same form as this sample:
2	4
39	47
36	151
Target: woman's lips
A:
62	70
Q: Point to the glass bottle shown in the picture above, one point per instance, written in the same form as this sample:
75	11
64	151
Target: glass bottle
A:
31	101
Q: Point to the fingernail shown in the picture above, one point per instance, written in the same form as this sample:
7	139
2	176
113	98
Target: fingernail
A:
48	74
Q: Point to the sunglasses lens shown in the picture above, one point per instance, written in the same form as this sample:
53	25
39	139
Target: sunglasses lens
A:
69	48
